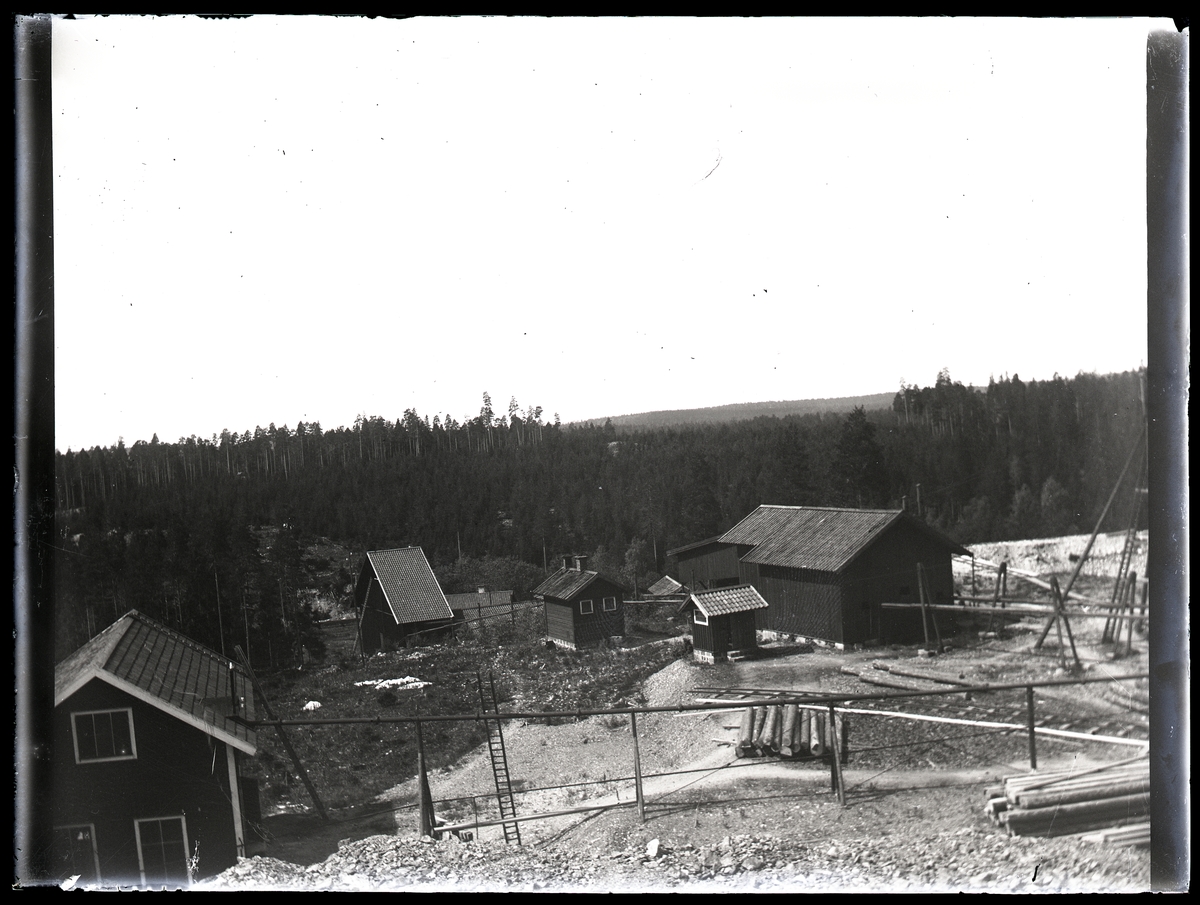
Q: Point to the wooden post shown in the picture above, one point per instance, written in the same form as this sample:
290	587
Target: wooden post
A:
1132	595
923	586
1091	540
835	738
287	744
1032	727
220	622
921	595
1066	622
637	768
426	821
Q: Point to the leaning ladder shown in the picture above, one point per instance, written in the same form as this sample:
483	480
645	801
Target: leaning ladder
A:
504	795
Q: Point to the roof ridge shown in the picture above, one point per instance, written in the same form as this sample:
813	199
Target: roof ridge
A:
825	508
167	630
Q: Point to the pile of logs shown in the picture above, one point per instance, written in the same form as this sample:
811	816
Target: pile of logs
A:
791	730
1074	802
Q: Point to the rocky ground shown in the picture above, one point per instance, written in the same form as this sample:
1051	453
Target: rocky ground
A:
913	818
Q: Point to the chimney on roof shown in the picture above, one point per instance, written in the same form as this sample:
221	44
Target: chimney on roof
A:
568	560
581	563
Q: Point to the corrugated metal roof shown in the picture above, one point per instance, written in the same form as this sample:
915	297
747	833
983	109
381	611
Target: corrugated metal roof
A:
408	582
565	584
166	670
721	601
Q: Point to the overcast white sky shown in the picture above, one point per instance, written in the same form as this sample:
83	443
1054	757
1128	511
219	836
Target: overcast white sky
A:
285	219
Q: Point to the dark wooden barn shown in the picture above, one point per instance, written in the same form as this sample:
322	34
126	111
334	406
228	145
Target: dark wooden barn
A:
149	753
583	609
826	572
399	600
722	622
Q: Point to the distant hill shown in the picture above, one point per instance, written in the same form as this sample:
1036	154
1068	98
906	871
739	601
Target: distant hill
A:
743	411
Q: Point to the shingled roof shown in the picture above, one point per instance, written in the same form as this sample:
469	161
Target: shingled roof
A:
825	539
665	587
409	586
722	601
168	671
565	583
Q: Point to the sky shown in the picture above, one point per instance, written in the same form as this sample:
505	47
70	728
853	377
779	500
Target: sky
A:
284	219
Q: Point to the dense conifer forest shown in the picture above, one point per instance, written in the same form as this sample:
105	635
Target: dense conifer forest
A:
169	528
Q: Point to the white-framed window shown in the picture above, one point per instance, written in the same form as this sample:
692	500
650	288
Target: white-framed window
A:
162	846
698	616
585	607
75	853
609	605
103	735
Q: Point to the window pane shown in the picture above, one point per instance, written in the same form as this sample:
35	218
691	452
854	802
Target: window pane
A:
85	736
122	744
104	736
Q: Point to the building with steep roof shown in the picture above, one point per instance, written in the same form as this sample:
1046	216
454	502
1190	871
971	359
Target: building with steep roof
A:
149	748
583	608
399	600
826	572
722	622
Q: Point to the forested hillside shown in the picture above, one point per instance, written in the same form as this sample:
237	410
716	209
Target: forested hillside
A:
167	527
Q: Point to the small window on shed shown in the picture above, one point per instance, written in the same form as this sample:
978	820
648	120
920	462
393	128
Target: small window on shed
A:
585	607
610	604
102	735
699	617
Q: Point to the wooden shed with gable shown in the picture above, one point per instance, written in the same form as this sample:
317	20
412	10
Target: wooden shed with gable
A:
399	600
826	572
583	608
722	622
150	745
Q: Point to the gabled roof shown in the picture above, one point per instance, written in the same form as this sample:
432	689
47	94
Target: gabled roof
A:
166	670
722	601
694	545
820	538
565	583
665	587
409	586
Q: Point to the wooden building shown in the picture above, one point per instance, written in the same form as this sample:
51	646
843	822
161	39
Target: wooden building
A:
399	600
149	748
583	608
484	611
826	572
722	622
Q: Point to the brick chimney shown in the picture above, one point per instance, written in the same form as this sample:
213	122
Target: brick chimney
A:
581	563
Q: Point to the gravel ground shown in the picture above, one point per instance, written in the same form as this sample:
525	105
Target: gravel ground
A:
772	826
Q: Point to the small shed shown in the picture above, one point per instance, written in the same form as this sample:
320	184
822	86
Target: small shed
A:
399	600
583	608
150	748
722	622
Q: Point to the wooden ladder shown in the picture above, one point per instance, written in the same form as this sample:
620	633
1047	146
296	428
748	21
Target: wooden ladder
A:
504	795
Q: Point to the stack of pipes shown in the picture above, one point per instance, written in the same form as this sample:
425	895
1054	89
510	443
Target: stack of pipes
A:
790	730
1072	801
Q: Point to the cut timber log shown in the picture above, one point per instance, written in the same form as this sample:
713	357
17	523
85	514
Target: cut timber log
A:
790	713
767	738
1060	820
805	731
1093	792
816	743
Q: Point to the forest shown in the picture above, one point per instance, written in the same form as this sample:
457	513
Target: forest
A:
170	528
